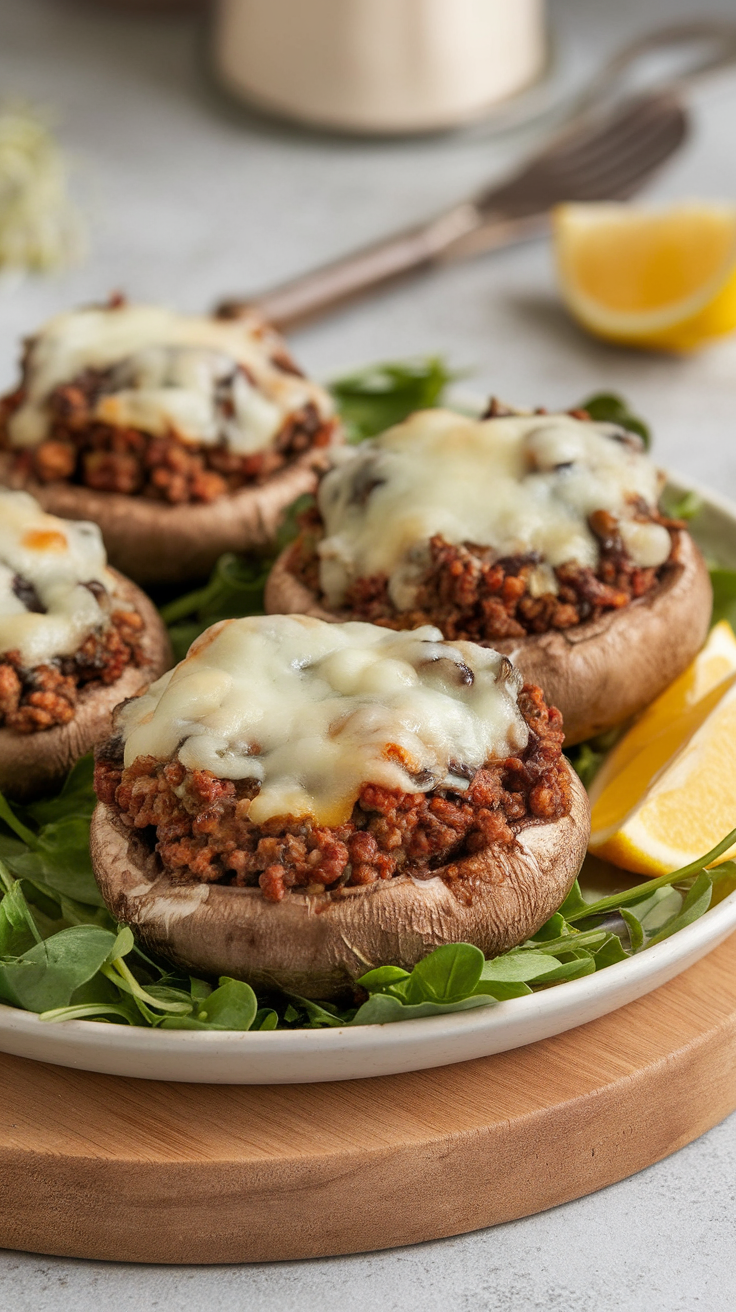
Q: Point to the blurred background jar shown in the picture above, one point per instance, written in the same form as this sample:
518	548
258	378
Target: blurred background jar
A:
379	66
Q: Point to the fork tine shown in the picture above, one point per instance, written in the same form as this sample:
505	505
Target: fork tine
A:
598	139
609	160
629	156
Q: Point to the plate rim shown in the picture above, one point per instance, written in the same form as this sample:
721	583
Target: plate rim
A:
645	964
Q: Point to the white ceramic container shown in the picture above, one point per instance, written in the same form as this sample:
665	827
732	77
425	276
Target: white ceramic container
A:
379	66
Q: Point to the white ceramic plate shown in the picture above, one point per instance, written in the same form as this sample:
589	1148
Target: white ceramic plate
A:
306	1056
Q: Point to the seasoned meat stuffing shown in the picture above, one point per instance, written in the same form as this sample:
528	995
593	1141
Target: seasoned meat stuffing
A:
106	458
46	696
471	595
202	833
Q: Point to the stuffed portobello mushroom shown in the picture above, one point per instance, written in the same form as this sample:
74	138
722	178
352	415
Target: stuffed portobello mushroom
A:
75	638
181	436
537	534
299	801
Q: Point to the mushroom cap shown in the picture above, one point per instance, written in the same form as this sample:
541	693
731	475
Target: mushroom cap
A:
316	946
154	542
598	673
35	763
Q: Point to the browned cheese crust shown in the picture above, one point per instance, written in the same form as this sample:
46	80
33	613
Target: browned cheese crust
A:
598	673
36	763
152	541
316	945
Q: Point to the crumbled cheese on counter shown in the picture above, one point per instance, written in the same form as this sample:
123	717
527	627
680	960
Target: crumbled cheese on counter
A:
523	483
314	710
206	380
46	609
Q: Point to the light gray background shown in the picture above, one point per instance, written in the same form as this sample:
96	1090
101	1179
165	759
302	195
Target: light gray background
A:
191	200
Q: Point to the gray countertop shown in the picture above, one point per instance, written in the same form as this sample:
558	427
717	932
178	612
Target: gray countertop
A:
190	200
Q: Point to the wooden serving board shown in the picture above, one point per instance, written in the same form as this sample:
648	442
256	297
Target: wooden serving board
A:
121	1169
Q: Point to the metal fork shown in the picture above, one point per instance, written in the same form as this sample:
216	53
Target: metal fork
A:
604	158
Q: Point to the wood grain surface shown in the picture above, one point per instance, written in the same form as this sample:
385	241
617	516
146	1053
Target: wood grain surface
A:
122	1169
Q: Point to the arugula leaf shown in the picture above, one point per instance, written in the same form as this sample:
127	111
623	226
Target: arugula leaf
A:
517	968
695	905
148	1000
587	758
610	951
18	930
231	1006
382	978
77	796
724	595
635	928
610	408
235	588
91	1011
688	506
375	398
7	814
632	895
48	974
553	928
319	1014
448	974
573	902
199	989
579	962
61	862
383	1009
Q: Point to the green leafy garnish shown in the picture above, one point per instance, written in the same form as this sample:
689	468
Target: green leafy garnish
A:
231	1006
587	758
609	408
687	507
724	595
235	588
375	398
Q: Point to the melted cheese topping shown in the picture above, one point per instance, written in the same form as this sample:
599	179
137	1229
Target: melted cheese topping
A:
526	483
168	373
47	561
314	710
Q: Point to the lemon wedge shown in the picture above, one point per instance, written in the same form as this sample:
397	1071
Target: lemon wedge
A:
662	279
669	715
667	792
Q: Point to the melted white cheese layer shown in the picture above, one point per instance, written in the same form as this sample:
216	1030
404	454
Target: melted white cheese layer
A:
170	373
314	710
57	557
517	484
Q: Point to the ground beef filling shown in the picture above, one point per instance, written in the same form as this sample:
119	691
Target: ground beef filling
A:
202	833
127	460
469	594
47	695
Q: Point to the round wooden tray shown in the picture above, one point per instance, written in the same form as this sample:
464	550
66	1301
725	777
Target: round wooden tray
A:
131	1170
